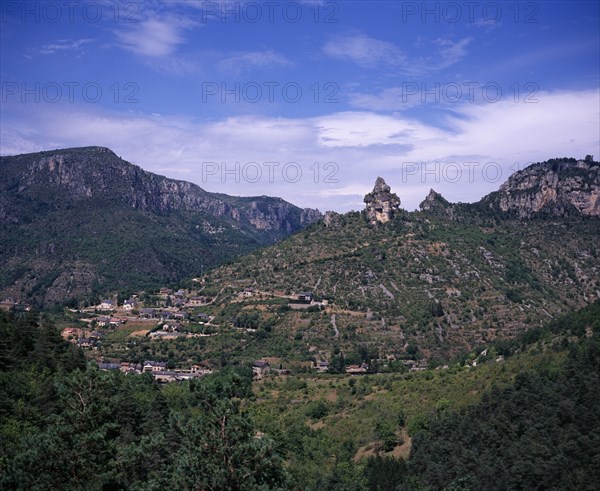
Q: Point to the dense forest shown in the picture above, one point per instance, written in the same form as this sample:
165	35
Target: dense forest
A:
542	433
64	424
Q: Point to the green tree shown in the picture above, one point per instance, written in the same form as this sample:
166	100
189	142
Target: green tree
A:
384	431
220	449
385	473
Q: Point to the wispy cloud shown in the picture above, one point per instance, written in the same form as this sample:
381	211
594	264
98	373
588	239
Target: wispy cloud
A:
364	50
174	65
368	52
392	99
487	24
241	62
64	45
364	129
154	37
451	52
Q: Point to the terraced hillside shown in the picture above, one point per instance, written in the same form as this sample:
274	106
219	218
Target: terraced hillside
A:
439	281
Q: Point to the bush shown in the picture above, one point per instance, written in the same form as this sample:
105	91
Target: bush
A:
294	384
317	410
419	422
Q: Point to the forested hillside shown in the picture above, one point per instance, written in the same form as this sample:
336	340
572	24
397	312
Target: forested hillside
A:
531	419
443	285
543	432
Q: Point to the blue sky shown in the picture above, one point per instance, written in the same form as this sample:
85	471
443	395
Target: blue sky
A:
307	100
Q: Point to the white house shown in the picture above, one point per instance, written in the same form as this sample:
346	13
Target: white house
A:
107	304
154	366
130	304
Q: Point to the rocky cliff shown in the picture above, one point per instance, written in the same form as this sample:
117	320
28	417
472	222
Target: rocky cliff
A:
381	203
556	187
97	172
434	201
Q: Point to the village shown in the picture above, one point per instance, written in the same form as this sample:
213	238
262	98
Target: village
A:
169	318
176	314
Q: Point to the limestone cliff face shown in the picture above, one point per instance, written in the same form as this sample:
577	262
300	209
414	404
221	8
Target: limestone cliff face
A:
381	203
276	214
331	219
556	187
93	172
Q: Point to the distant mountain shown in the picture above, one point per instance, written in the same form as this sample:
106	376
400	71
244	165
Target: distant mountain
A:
83	220
446	278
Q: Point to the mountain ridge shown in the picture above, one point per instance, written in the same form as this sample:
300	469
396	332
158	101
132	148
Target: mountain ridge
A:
147	191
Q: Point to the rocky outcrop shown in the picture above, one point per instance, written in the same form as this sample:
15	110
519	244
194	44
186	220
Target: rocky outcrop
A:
276	214
75	283
381	203
331	219
310	215
434	202
557	187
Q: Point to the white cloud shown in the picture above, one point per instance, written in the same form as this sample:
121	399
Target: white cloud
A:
154	37
364	50
64	45
560	123
412	156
